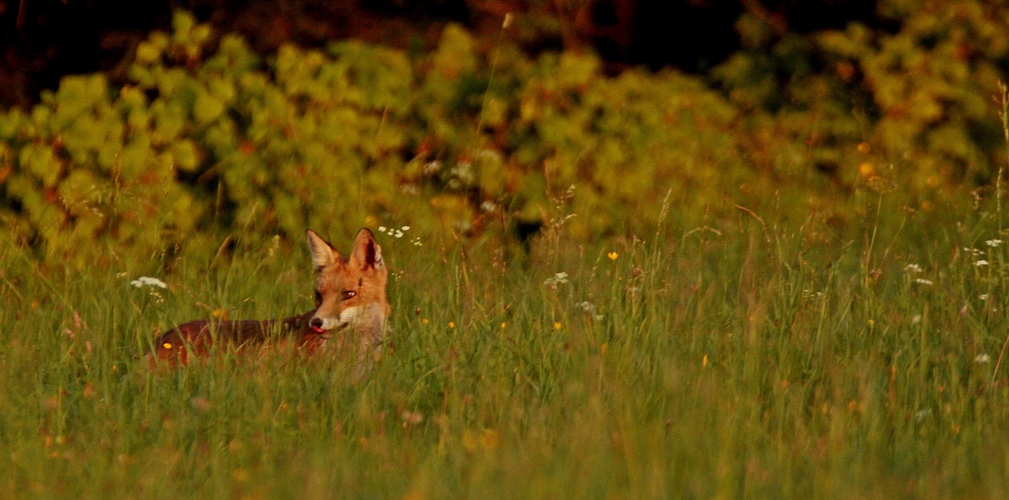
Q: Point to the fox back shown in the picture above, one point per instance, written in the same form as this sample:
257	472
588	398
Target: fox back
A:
350	315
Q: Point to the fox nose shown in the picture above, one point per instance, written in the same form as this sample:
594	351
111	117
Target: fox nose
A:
315	323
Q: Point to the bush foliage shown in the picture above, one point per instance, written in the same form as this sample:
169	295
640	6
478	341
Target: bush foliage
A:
207	137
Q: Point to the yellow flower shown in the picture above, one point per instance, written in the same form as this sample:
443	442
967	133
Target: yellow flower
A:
167	345
503	325
557	325
613	255
451	324
704	361
425	321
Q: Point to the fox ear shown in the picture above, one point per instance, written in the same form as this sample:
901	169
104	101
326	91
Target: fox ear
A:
366	251
323	254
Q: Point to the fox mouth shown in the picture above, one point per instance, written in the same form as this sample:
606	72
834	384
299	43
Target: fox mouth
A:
320	331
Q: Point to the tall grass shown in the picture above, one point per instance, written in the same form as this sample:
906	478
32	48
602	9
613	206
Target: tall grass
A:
758	355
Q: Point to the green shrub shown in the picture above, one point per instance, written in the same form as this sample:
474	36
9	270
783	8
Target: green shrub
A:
207	139
917	99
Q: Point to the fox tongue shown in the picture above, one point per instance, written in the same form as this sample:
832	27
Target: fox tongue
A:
317	329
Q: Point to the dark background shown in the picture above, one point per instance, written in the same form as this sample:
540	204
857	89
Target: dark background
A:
46	39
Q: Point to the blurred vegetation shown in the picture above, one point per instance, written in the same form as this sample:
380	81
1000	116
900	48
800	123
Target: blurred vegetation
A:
208	138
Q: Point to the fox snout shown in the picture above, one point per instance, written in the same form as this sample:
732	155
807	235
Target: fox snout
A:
316	325
320	324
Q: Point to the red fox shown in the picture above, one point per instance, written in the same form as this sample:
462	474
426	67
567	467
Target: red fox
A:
350	308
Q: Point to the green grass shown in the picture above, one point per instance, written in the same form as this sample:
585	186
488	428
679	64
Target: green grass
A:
744	358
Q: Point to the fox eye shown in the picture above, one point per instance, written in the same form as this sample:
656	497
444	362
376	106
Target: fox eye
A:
348	294
318	298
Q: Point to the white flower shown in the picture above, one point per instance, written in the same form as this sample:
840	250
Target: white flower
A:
558	279
983	296
924	281
981	263
993	243
381	229
405	228
982	359
589	309
148	281
912	268
922	414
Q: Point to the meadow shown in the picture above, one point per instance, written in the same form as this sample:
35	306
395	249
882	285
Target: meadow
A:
728	297
749	356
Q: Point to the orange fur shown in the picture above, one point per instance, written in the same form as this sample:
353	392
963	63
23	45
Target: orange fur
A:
350	309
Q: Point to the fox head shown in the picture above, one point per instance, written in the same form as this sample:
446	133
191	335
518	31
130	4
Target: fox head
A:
349	291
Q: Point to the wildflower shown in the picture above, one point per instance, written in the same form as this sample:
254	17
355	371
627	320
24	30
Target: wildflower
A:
924	281
613	255
993	243
395	233
590	309
981	263
451	324
982	359
983	296
148	281
912	268
557	279
704	361
557	325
